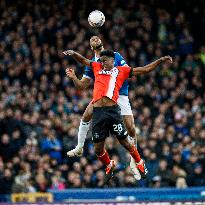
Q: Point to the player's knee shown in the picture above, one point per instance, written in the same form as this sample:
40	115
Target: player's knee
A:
125	143
98	150
86	117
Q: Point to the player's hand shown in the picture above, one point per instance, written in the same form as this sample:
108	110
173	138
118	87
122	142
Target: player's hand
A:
68	52
166	58
70	73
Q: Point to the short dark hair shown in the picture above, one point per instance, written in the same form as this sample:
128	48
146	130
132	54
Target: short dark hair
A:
108	53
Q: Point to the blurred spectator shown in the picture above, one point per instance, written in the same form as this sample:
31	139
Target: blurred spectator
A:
100	178
41	183
198	177
156	182
6	150
181	183
30	186
56	183
51	145
164	173
202	54
6	181
185	42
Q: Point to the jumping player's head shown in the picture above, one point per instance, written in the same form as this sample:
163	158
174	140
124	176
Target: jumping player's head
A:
96	43
107	58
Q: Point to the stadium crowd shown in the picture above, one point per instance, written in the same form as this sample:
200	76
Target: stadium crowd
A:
40	109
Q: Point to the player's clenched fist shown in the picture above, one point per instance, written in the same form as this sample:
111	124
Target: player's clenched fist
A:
70	73
165	58
68	52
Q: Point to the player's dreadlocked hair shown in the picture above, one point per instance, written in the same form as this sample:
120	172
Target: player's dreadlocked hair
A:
108	53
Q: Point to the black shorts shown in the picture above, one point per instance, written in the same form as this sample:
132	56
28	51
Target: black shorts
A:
107	120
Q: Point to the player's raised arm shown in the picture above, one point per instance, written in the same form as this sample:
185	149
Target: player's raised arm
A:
150	67
81	84
77	57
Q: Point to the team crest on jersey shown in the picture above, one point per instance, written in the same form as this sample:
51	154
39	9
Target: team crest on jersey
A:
112	72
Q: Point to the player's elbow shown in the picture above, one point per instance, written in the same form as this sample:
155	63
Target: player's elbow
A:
80	87
83	86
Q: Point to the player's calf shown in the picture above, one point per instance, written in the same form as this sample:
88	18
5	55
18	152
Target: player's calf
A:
104	157
139	163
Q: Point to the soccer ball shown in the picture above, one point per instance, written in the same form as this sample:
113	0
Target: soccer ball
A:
96	18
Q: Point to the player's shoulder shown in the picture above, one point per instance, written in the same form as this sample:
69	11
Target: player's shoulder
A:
96	65
124	67
120	59
117	54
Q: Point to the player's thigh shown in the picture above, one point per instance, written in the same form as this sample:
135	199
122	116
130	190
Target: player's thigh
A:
124	104
100	128
126	112
116	124
130	125
87	115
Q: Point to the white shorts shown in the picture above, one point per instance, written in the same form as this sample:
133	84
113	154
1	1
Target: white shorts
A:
124	103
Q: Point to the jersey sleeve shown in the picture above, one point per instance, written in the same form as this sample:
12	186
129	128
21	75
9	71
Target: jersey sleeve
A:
120	60
127	72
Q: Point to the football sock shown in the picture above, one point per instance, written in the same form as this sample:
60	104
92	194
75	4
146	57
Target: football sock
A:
135	154
104	158
82	133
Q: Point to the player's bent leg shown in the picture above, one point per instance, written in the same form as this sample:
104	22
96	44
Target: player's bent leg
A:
139	163
130	126
104	157
119	130
99	148
87	115
126	112
128	119
82	133
85	124
100	130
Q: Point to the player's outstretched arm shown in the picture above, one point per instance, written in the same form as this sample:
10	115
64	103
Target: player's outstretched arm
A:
81	84
148	68
77	57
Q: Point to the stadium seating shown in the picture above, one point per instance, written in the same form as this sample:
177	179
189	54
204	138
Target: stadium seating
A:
39	104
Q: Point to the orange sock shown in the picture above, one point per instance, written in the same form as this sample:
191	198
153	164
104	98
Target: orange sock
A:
104	158
135	154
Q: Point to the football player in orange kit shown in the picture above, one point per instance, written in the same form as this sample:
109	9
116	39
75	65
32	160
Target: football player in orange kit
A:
106	112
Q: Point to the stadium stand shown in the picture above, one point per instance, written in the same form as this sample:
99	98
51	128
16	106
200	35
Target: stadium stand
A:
40	109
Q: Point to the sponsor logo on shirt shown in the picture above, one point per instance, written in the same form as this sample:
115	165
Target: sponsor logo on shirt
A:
113	72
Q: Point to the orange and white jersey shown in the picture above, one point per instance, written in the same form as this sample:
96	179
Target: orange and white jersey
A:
108	83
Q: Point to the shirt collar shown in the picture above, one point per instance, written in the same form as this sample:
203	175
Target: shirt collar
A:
96	58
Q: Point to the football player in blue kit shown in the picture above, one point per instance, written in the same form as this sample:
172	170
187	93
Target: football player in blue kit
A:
123	102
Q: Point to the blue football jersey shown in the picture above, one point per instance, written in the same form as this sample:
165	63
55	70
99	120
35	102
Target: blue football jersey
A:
119	61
